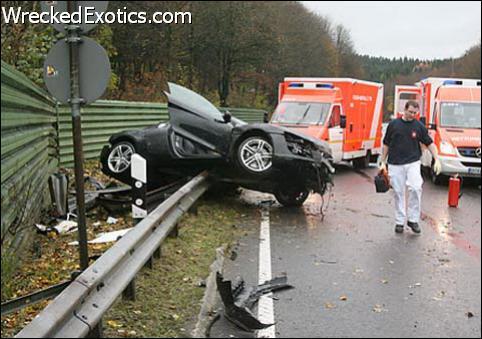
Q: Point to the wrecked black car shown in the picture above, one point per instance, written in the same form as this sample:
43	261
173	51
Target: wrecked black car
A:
199	137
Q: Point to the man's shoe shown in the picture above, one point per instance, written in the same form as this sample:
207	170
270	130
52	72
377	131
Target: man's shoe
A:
414	226
399	229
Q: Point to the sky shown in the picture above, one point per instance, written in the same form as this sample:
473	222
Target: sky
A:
418	29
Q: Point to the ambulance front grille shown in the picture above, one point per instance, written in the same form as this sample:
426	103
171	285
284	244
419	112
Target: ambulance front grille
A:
470	152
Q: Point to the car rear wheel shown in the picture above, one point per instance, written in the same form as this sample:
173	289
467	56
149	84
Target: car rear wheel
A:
255	155
119	159
291	197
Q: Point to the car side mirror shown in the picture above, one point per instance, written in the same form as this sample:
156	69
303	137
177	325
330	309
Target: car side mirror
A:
343	121
433	126
265	117
227	117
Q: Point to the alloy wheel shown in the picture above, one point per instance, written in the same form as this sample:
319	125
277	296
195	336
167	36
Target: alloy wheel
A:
120	157
256	154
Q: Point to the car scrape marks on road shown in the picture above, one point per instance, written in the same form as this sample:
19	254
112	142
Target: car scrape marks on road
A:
265	305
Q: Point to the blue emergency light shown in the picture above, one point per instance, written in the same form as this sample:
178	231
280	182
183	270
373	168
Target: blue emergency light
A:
325	86
296	84
452	82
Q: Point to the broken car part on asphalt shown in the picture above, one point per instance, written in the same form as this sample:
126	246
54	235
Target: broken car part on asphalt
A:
238	301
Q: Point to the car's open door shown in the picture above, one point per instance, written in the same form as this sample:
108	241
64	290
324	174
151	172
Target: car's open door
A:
195	118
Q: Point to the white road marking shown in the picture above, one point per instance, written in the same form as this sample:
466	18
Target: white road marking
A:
265	304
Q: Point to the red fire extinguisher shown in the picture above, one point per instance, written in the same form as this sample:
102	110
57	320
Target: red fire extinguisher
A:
454	191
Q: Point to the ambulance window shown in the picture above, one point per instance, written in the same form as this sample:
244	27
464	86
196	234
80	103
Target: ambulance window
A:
404	98
408	96
335	116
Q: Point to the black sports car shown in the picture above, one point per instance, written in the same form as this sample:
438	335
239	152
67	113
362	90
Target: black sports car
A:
199	137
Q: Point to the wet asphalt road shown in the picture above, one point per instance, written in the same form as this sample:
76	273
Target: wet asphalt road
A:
354	277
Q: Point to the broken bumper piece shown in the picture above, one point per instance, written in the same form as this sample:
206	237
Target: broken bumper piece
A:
237	302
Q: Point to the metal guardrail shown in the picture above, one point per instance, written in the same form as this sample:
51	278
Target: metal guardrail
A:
33	298
80	307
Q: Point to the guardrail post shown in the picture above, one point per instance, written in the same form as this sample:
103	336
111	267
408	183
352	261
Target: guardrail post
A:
174	232
130	291
194	209
139	209
158	253
149	263
97	331
139	177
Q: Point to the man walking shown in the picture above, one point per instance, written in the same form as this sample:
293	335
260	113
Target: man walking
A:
402	145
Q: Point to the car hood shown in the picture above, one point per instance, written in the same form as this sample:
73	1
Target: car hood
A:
314	131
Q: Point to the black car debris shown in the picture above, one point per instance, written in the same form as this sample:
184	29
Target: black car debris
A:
198	137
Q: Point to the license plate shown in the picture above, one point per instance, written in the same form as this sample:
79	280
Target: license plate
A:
474	170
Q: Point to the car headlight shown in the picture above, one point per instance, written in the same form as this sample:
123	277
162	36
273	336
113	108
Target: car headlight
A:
447	148
298	146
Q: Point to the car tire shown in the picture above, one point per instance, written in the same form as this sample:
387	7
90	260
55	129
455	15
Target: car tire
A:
255	155
291	197
118	161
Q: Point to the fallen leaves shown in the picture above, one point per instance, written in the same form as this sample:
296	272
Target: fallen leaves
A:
113	324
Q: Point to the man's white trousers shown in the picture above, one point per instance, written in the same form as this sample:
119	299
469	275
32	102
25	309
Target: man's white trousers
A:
403	178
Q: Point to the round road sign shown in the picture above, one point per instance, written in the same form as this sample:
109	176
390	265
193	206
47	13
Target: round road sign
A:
94	71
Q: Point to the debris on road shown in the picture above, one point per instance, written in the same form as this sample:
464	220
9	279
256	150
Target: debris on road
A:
105	237
111	220
329	306
238	301
65	226
379	309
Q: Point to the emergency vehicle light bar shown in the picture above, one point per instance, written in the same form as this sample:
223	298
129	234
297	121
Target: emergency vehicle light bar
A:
310	85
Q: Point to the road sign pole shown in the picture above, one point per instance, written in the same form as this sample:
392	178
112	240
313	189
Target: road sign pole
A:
74	40
71	60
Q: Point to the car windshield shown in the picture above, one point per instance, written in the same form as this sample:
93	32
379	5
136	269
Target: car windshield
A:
307	113
194	101
460	114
